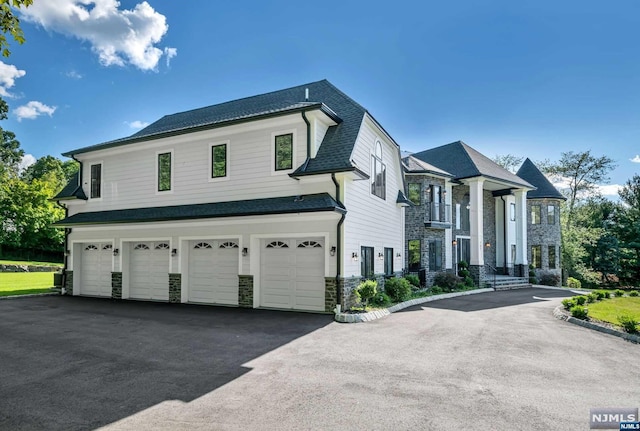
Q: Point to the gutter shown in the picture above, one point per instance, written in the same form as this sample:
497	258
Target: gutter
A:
339	243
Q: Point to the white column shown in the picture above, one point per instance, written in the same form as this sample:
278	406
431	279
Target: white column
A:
476	217
448	262
521	227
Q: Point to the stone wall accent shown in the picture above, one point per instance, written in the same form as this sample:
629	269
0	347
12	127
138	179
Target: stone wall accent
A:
245	291
116	285
478	274
544	234
68	283
175	288
348	286
330	294
28	268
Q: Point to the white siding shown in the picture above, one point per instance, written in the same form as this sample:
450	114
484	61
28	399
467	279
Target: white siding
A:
129	172
372	221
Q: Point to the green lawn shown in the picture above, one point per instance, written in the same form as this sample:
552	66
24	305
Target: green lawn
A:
20	262
21	283
609	309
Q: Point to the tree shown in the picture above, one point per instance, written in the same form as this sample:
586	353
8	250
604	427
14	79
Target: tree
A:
630	192
584	173
53	169
9	23
508	161
10	152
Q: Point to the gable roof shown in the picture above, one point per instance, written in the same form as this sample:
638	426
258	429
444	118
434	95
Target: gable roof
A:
413	165
465	162
72	190
530	173
333	155
320	202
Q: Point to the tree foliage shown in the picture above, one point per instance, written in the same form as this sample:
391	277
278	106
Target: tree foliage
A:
508	161
9	23
10	152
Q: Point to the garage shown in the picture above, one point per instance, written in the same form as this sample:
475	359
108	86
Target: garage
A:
96	269
292	274
149	271
213	272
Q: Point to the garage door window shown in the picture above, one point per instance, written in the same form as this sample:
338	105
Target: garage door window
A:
200	245
277	244
229	244
162	246
141	247
309	244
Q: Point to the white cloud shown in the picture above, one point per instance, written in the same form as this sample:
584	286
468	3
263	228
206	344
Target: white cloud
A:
118	36
610	189
636	159
33	110
137	124
8	75
73	74
170	53
27	160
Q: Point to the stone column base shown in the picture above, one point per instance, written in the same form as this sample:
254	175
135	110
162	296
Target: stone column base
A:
116	285
478	274
175	288
245	291
68	283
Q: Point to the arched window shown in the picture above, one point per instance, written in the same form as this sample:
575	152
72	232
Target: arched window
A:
107	247
202	245
229	244
162	246
309	244
277	244
378	173
141	247
90	247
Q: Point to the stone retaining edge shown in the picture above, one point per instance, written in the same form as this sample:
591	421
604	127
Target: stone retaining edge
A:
30	295
559	314
377	314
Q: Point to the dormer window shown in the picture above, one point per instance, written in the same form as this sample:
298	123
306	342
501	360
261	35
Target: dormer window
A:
378	173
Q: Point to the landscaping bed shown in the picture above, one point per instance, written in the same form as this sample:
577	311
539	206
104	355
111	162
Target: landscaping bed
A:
618	310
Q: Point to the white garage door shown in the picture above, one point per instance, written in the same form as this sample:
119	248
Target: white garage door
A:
292	274
213	272
95	277
149	271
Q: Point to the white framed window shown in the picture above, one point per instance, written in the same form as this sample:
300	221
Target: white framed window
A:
512	211
283	152
219	161
378	172
164	171
95	185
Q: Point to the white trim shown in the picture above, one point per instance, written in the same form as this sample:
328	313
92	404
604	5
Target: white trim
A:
272	150
227	162
157	171
101	163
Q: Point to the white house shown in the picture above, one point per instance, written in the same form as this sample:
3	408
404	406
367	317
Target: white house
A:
282	200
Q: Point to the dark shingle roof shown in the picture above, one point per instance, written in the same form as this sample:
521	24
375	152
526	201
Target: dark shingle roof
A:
282	205
334	153
72	190
465	162
416	166
530	173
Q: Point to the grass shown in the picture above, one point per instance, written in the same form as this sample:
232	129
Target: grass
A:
24	283
22	262
610	309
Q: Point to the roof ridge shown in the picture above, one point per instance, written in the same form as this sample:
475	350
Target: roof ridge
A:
466	149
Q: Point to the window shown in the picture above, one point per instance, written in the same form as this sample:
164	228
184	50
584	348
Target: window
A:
535	214
436	199
378	173
366	263
219	161
551	214
414	255
388	261
415	192
536	256
435	255
458	216
284	152
96	181
512	211
164	172
552	257
465	217
513	253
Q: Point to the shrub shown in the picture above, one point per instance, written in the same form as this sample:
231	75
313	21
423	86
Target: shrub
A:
463	264
398	289
549	279
573	283
567	303
592	297
628	323
381	299
602	294
468	281
579	312
580	300
366	290
633	293
618	292
436	290
414	280
446	280
532	275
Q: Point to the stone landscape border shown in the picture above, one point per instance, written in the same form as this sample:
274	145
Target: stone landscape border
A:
559	313
377	314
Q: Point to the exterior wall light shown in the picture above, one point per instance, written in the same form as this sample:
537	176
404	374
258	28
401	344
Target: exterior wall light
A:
174	252
116	252
398	255
380	256
332	252
487	244
245	251
354	256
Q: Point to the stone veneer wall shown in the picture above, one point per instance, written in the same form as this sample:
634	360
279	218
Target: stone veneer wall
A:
245	291
68	284
478	273
348	286
116	285
175	288
330	294
544	234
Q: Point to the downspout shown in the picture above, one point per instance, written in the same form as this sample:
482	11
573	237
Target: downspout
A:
306	162
504	234
339	242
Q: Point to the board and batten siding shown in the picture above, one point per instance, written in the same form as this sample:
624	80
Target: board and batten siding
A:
372	221
129	172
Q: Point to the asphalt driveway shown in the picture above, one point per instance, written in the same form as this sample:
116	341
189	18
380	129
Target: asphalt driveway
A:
491	361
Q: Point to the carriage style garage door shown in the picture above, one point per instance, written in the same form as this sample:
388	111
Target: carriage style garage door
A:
149	271
213	272
96	269
292	274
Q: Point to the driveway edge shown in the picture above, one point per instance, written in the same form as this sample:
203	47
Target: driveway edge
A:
378	314
559	313
32	295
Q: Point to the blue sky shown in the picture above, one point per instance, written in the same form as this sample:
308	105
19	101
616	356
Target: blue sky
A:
527	78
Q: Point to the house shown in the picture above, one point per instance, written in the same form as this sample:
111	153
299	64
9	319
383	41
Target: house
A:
543	227
282	200
466	208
